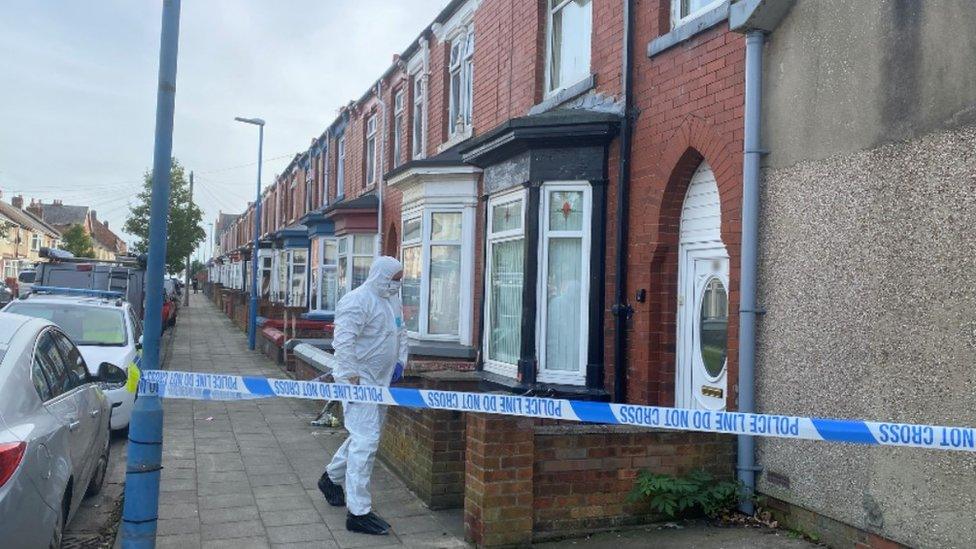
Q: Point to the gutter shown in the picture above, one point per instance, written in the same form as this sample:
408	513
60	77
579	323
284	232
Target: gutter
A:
622	311
754	18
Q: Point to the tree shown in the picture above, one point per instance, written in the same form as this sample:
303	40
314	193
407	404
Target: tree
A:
196	267
78	242
184	224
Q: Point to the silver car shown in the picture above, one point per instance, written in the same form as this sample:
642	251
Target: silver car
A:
54	431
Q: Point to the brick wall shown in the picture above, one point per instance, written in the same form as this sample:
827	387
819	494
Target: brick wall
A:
529	480
690	100
583	474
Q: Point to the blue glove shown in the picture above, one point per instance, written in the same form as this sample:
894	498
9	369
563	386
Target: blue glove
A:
397	372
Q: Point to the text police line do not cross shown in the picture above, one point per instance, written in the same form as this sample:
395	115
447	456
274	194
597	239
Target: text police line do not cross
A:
205	386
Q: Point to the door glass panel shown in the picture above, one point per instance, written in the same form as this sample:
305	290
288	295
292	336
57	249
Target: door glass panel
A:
506	217
445	288
505	330
565	210
53	366
563	304
39	378
713	326
445	226
72	358
410	290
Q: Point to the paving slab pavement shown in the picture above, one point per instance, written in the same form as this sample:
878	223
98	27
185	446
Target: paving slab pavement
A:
243	474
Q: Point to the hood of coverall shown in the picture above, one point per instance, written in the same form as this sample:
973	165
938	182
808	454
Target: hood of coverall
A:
381	273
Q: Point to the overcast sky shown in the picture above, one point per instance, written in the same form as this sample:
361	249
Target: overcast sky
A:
78	89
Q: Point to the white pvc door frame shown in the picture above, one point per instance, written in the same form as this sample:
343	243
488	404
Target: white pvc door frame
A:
701	256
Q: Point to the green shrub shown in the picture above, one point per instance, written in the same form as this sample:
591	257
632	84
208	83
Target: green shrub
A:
696	492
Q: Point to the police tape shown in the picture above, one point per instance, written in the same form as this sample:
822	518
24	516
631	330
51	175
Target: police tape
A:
205	386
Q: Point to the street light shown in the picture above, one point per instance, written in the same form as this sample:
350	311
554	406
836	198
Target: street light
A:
252	317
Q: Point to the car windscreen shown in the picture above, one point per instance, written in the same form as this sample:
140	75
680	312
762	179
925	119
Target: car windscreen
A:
84	325
27	276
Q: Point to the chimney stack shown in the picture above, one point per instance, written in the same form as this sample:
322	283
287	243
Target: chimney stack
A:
17	202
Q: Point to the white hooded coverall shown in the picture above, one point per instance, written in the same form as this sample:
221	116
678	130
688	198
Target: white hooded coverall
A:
369	339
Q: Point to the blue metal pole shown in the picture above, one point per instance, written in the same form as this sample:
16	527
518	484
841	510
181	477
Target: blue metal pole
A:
145	449
252	319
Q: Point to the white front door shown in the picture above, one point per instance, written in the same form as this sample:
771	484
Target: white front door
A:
701	379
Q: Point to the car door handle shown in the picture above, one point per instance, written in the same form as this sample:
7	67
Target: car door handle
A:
95	412
73	424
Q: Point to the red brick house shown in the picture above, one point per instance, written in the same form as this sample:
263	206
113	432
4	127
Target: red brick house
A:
487	157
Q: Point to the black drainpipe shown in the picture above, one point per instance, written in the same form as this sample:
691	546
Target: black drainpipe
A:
621	309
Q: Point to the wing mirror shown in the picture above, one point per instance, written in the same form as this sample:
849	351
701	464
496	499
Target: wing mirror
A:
139	344
110	373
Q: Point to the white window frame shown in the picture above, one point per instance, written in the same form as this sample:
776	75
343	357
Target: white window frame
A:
265	255
296	297
398	110
677	19
370	151
554	6
544	375
350	255
460	64
321	268
35	244
491	239
341	167
466	245
418	120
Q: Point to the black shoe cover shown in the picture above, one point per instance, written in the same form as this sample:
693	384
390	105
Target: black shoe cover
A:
367	524
333	492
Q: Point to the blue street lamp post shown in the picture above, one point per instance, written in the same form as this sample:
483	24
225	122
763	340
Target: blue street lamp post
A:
145	449
252	316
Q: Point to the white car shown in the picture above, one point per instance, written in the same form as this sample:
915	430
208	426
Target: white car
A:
102	325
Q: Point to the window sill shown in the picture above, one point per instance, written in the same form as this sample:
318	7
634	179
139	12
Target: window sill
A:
454	140
441	349
689	29
560	96
494	382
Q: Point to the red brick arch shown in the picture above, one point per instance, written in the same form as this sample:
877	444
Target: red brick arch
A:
694	141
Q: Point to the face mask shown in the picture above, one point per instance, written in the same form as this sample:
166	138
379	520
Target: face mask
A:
392	288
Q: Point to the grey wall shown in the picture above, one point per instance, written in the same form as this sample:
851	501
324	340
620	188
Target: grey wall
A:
842	74
868	257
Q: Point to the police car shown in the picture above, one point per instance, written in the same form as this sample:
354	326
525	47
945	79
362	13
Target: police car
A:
101	324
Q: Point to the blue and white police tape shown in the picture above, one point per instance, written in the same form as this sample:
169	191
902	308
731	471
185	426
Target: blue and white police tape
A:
203	386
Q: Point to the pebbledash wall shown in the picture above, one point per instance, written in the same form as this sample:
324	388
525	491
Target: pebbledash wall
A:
867	254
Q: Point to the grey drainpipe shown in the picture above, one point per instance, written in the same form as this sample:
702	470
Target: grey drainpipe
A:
622	310
746	461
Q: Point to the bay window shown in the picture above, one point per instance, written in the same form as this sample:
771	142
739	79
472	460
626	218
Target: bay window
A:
265	258
418	117
355	255
432	251
280	279
323	283
506	268
371	150
297	269
570	26
565	250
461	75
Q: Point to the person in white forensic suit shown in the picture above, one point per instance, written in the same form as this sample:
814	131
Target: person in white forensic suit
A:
370	343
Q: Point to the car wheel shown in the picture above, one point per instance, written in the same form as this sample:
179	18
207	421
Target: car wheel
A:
98	477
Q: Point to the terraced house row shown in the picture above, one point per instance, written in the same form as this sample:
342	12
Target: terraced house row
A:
697	203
